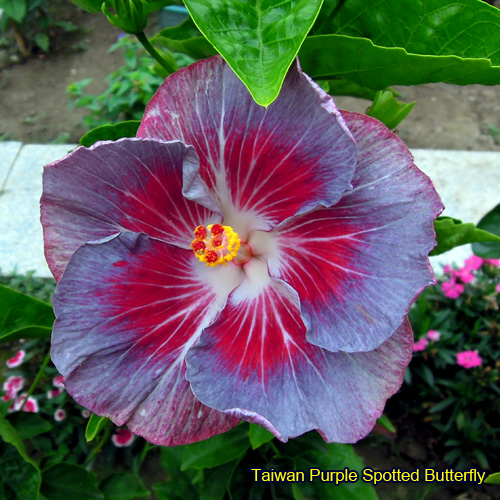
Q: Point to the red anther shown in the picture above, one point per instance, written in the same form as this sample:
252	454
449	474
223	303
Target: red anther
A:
198	246
211	256
217	241
216	229
200	232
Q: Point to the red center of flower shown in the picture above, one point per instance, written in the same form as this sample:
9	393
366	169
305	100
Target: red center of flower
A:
215	244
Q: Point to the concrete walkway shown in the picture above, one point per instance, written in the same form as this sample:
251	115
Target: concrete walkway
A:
468	182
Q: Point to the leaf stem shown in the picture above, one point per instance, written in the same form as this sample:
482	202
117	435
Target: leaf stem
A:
37	379
97	449
152	51
138	464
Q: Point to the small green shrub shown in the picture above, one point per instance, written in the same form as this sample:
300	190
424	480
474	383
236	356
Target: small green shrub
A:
28	23
453	379
129	88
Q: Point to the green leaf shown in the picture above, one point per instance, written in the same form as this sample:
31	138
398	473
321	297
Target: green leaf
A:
442	405
18	477
344	87
491	223
259	39
361	61
179	486
185	38
310	451
28	425
216	481
258	436
94	426
451	233
388	109
15	9
43	41
493	478
93	6
121	486
9	434
23	476
385	422
69	482
465	28
110	132
22	316
217	450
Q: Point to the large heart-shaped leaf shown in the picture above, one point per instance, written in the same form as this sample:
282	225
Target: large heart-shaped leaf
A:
67	481
259	39
217	450
376	67
465	28
408	42
23	476
22	316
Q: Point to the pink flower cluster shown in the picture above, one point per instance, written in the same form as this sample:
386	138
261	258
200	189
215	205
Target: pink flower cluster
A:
453	288
11	387
14	384
469	359
421	344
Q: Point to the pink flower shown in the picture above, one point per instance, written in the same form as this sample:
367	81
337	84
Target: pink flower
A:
30	406
497	288
85	414
474	262
493	262
54	393
16	360
447	268
465	274
122	437
452	289
420	344
433	335
59	415
232	262
58	381
12	386
469	359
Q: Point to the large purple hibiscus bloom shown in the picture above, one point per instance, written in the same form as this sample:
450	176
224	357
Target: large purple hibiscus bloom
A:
236	262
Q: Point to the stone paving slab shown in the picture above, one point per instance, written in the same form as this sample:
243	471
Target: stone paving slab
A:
468	183
8	153
21	241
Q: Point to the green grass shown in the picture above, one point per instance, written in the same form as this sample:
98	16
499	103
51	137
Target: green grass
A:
40	288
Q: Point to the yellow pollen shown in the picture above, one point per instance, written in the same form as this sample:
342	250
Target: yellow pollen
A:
216	244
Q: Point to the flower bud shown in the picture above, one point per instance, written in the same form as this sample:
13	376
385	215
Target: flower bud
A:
130	15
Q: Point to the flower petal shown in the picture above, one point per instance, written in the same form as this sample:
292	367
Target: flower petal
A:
255	363
130	184
127	311
358	266
261	165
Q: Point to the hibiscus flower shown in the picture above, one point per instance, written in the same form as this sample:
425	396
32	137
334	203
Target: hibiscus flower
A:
238	262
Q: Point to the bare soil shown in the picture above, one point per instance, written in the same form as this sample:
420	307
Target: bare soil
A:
34	105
